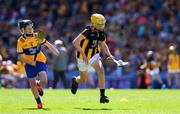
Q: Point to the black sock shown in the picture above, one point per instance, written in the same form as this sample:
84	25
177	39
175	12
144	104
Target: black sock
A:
38	100
102	92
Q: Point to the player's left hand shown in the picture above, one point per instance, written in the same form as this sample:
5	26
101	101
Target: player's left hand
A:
40	36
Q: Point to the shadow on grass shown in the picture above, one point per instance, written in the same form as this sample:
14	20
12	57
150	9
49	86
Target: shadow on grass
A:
47	109
93	108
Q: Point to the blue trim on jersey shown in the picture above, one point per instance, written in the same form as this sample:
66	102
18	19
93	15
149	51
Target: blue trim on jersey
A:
32	71
31	51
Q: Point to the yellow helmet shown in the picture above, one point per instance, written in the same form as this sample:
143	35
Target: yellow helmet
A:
98	21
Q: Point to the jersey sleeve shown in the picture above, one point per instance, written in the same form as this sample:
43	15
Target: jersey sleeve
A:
19	47
43	44
85	33
102	36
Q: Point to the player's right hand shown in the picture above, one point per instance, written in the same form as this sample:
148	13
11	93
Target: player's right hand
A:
85	59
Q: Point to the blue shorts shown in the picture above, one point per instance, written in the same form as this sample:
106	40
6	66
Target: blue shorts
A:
32	71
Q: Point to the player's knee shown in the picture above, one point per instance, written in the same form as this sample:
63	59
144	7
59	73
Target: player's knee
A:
43	78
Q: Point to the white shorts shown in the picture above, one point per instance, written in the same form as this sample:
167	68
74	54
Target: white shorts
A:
173	71
154	72
82	66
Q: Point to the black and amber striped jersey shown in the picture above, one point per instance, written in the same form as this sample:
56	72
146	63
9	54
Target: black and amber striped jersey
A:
89	44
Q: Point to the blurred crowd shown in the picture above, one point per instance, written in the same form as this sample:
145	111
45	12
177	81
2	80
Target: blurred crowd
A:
133	27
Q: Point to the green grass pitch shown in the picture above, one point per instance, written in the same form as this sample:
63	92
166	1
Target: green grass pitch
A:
21	101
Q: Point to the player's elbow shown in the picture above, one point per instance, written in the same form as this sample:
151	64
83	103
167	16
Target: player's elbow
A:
74	43
77	40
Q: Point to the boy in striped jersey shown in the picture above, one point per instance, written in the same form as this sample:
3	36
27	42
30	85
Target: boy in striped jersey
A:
88	45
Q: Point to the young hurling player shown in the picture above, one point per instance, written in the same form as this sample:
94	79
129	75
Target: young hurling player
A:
151	67
27	49
173	66
88	45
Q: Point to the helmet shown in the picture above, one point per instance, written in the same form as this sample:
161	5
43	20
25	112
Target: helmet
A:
150	56
58	42
24	23
149	53
172	48
98	20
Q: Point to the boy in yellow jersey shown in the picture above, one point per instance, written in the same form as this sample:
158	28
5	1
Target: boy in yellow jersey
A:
151	67
28	46
173	66
88	45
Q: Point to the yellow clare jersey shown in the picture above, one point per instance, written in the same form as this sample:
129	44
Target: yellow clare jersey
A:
173	61
28	47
